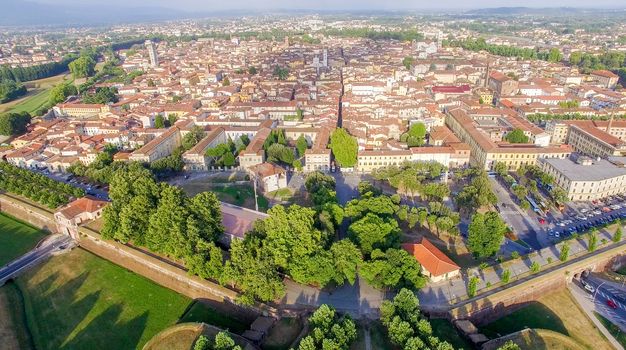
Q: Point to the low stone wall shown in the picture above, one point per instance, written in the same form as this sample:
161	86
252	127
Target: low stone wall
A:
482	310
31	213
166	274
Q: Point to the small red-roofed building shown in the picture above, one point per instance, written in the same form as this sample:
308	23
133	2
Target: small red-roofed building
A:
271	177
435	264
82	210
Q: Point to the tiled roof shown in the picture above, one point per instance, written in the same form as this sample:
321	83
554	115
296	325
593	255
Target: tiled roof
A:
431	258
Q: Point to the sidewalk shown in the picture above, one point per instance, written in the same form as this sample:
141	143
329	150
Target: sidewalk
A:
588	307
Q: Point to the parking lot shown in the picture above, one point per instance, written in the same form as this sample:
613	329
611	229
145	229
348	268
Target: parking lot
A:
95	190
543	229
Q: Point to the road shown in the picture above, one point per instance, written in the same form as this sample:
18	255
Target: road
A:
524	226
605	291
52	244
591	303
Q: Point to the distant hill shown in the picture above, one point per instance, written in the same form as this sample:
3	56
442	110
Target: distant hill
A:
511	11
26	13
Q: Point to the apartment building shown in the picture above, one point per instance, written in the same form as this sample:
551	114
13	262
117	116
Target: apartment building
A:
485	152
588	139
318	157
254	154
605	78
501	84
585	178
79	110
160	147
195	158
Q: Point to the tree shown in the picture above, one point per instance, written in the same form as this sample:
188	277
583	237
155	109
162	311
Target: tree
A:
329	331
509	345
347	258
11	90
301	146
103	95
344	147
82	67
472	286
415	135
281	73
554	55
280	153
506	276
202	343
408	61
372	232
501	168
486	233
224	342
535	267
61	92
252	70
516	136
564	252
14	123
159	122
226	82
617	237
193	137
321	187
394	268
593	240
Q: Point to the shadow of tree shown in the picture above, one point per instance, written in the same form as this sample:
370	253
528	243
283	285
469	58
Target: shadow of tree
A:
107	328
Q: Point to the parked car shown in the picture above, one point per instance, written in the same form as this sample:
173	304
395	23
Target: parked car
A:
611	304
542	221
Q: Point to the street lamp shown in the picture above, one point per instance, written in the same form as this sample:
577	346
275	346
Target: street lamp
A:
597	289
256	201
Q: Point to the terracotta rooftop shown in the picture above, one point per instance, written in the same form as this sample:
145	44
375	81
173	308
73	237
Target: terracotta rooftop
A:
85	204
431	258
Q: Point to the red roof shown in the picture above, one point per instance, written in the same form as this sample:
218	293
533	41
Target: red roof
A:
433	259
451	89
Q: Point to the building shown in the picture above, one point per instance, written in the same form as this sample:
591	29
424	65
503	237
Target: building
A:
269	177
152	53
317	158
237	221
82	210
254	153
195	159
79	110
484	132
585	179
587	138
605	78
501	84
435	264
160	147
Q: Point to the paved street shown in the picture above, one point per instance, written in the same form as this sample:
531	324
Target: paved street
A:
52	244
525	226
591	303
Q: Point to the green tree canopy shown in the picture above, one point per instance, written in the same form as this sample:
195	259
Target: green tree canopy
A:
516	136
344	147
486	234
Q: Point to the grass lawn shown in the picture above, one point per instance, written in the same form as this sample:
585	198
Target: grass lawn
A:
237	194
37	96
622	271
80	301
613	329
16	238
282	334
32	103
444	330
557	312
200	312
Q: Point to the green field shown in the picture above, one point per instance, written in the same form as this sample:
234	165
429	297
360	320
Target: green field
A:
80	301
237	194
37	97
32	103
200	312
613	329
556	311
16	238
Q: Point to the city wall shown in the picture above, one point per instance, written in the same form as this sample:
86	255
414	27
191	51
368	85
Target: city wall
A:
482	310
151	266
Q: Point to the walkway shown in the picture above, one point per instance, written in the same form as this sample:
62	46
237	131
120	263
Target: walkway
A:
448	292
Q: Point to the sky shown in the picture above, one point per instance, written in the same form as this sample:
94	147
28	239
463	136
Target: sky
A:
209	5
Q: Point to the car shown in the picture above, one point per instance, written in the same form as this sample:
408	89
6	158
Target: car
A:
584	210
606	209
596	212
542	221
610	303
557	234
581	218
504	205
562	224
588	286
